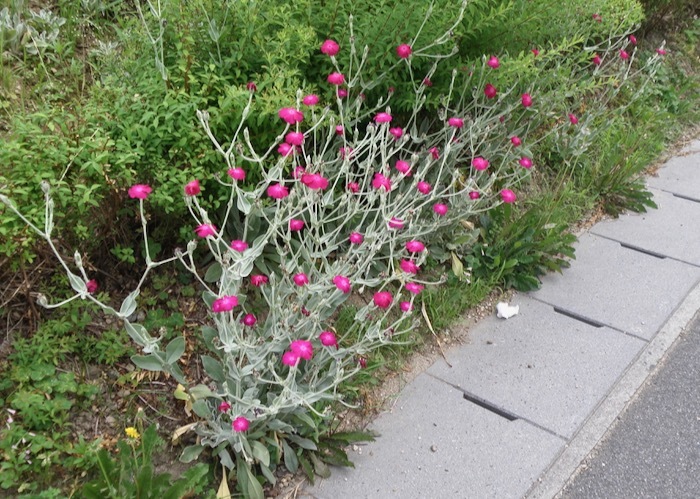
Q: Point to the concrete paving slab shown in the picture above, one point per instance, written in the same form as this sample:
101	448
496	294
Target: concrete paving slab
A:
673	230
540	365
619	287
680	174
434	443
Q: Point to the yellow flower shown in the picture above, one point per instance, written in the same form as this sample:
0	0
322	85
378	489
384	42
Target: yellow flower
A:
131	432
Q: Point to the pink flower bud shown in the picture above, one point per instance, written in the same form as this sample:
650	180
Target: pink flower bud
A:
573	119
406	306
434	152
224	304
624	55
341	93
298	172
525	162
339	130
427	82
139	191
277	191
290	359
92	286
409	266
423	187
251	86
474	195
597	18
382	118
249	320
303	348
296	225
397	132
414	287
362	361
224	406
301	279
490	91
526	100
493	62
395	223
258	280
440	209
480	163
404	51
455	122
597	60
206	230
383	299
633	39
353	187
192	188
238	245
342	283
240	424
345	151
403	167
535	52
356	238
328	339
310	100
515	140
336	79
508	196
415	246
381	182
661	51
330	48
294	138
285	149
236	173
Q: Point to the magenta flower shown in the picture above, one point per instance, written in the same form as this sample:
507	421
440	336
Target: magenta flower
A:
480	163
296	225
336	79
427	82
455	122
508	196
303	348
238	245
92	286
525	162
341	93
409	266
310	100
353	187
249	320
291	115
192	188
382	118
285	149
661	51
633	39
314	181
415	246
362	361
345	151
397	132
493	62
330	48
301	279
440	209
404	51
624	55
383	299
294	138
240	424
403	167
526	99
414	287
573	119
139	191
205	230
277	191
490	91
597	60
258	280
474	195
396	223
236	173
423	187
381	182
224	304
406	306
356	238
290	359
328	339
342	283
224	406
339	130
515	140
535	52
251	86
434	152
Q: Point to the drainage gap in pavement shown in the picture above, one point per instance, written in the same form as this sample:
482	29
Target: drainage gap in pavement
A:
642	250
578	317
490	407
687	198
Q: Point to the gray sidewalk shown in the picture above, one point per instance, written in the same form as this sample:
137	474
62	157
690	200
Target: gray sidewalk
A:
526	399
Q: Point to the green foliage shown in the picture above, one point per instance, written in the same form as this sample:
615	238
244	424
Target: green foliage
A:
132	473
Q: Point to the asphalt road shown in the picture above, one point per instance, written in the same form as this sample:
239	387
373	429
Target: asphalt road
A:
653	451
